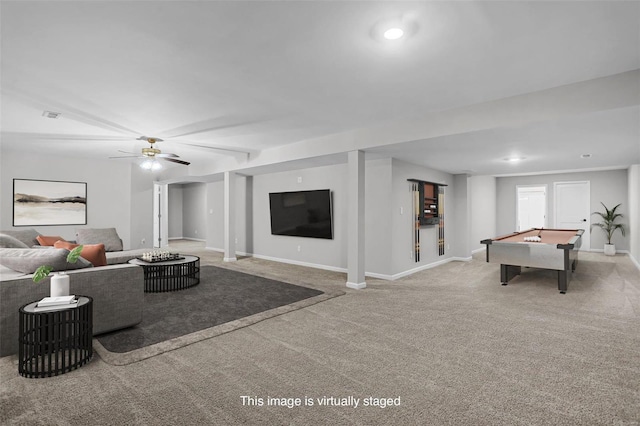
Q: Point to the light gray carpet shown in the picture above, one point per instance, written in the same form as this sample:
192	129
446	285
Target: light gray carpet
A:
454	345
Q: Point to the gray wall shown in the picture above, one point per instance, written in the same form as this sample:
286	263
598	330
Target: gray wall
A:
609	186
194	211
482	212
634	212
331	253
175	211
141	208
110	188
402	224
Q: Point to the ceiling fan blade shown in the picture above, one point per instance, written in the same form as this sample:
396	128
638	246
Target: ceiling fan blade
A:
127	152
127	156
167	154
173	160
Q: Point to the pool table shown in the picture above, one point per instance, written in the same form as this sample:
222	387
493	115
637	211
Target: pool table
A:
557	249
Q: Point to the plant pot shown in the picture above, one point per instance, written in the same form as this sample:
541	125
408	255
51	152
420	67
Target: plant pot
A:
59	285
610	249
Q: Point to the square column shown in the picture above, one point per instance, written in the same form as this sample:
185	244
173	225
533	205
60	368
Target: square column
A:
355	220
230	217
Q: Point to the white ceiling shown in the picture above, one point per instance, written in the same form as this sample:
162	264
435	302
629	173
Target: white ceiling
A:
254	76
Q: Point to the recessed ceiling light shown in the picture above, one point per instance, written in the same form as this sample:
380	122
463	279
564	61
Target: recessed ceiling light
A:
585	156
514	159
398	28
50	114
393	33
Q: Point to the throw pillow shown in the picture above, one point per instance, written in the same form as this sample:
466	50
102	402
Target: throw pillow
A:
27	236
107	236
48	241
94	253
28	260
7	241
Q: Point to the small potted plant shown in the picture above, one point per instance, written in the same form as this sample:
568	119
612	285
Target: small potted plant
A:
60	281
609	226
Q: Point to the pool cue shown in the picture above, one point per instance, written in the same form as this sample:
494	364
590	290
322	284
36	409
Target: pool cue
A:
416	200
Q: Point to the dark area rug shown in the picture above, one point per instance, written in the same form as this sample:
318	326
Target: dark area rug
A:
223	301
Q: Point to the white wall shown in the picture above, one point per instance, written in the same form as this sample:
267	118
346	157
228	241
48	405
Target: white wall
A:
175	211
609	187
194	211
109	190
634	212
482	212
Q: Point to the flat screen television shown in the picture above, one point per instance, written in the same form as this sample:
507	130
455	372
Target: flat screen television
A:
302	213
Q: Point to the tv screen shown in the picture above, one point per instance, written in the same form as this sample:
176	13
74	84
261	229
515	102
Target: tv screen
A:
301	213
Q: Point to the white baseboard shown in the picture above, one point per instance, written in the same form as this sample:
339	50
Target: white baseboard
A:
193	239
175	238
478	250
635	261
357	286
385	277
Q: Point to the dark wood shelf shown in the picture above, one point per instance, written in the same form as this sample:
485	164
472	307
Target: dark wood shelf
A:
429	201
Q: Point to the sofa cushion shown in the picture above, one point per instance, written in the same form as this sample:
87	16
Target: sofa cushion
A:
27	236
28	260
94	253
107	236
7	241
117	257
48	241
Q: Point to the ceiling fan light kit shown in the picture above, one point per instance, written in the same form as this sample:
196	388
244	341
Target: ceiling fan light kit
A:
151	164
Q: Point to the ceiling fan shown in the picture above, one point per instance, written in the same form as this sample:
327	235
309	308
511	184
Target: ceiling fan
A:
151	153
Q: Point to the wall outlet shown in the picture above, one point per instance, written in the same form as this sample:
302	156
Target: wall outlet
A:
299	248
210	211
410	255
299	181
448	246
142	241
236	241
401	210
195	232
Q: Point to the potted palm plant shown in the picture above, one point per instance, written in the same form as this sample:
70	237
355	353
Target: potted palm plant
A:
59	285
609	226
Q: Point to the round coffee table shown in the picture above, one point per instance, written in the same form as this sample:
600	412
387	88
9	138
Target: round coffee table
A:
170	275
56	341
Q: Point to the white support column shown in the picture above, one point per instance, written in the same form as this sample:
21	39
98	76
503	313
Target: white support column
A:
355	221
230	217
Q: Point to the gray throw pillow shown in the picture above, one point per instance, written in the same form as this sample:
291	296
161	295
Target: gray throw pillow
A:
28	260
107	236
7	241
27	236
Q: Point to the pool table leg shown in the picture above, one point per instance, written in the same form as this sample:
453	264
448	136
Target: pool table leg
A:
563	280
507	272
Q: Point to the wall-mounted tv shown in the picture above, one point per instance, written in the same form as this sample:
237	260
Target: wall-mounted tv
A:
302	213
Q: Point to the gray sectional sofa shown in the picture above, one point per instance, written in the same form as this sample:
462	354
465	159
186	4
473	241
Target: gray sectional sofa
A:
117	289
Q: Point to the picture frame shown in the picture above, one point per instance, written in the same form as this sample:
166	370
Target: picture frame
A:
49	202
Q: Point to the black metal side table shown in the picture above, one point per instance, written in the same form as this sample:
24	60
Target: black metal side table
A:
55	342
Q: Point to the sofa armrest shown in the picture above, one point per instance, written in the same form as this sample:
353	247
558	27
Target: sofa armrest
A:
117	292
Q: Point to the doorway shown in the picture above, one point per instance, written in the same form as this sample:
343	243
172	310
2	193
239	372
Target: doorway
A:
531	209
572	202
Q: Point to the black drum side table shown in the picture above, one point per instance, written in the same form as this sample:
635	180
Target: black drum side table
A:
55	342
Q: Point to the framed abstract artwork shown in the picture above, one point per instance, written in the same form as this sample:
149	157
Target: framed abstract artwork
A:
48	202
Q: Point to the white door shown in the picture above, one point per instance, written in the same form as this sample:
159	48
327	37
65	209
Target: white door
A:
532	207
572	208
